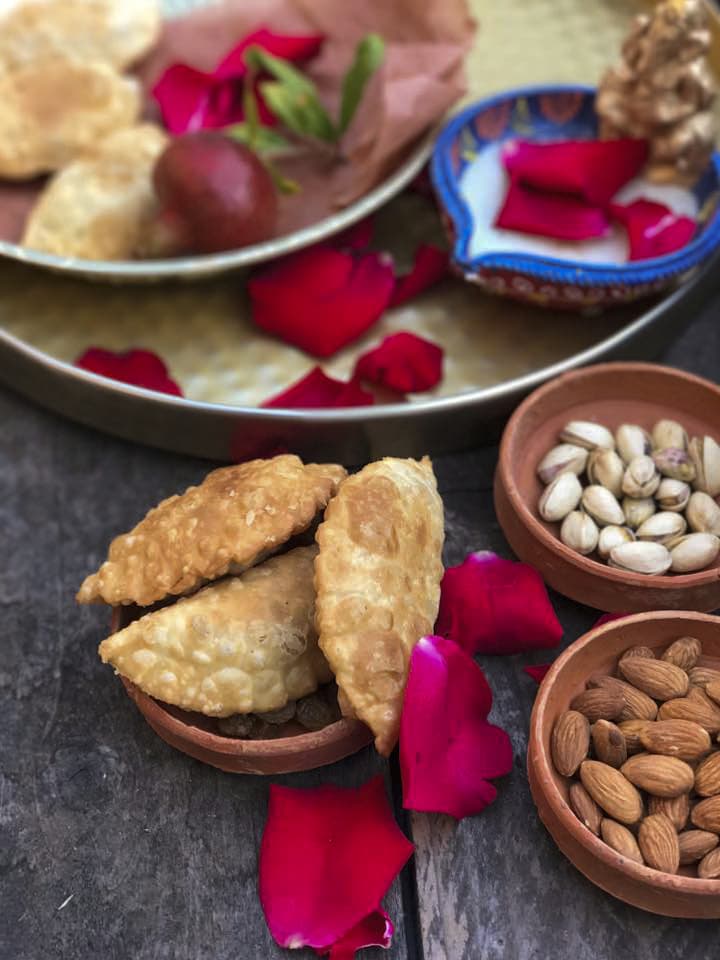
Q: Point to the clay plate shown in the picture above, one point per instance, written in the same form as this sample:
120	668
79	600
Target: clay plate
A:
610	393
194	734
598	651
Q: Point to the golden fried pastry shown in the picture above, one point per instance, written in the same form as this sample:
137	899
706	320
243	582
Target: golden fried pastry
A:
236	517
116	32
377	578
246	644
53	111
97	206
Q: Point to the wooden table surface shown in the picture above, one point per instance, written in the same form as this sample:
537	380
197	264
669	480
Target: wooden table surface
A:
114	846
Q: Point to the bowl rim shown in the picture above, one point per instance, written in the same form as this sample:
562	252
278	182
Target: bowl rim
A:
551	794
586	565
575	273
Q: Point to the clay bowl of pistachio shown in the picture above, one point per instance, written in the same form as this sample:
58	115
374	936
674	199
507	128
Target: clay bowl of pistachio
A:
611	823
304	736
607	483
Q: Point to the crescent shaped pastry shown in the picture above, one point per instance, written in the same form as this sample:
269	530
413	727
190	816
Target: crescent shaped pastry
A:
234	519
246	644
377	578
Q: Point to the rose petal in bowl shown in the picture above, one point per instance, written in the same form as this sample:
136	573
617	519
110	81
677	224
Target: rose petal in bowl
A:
316	390
429	267
403	362
653	229
141	368
546	214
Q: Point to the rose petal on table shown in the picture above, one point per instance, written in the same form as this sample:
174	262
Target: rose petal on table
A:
592	170
448	750
327	858
357	237
321	299
545	214
141	368
429	267
496	606
537	671
653	229
376	930
316	390
403	362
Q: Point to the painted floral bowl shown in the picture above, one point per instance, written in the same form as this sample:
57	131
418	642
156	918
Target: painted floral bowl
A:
470	184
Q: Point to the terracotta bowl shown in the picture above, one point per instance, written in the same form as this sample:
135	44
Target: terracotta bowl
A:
611	393
598	651
197	736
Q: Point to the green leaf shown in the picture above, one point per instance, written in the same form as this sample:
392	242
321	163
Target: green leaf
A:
262	139
300	112
369	54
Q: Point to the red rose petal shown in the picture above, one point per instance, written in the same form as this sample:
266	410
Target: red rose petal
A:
608	618
557	215
429	267
321	299
357	237
448	750
592	170
495	606
292	48
653	229
537	671
403	362
316	390
141	368
183	95
376	930
327	858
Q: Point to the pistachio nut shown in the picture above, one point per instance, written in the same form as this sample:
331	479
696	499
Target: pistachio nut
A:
586	433
602	506
703	513
632	441
662	527
637	510
564	458
641	556
669	433
560	497
673	495
605	468
675	463
611	537
641	479
694	552
579	532
705	456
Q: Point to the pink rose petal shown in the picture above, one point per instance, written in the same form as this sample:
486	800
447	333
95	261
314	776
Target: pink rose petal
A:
429	267
592	170
653	229
316	390
537	671
492	605
448	750
403	362
141	368
327	858
558	215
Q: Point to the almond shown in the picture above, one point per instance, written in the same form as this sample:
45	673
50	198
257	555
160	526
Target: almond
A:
676	809
599	704
658	679
585	808
638	705
676	738
701	676
706	814
709	866
707	776
660	776
609	743
684	652
687	708
620	839
638	651
570	742
658	843
632	731
695	844
611	791
713	690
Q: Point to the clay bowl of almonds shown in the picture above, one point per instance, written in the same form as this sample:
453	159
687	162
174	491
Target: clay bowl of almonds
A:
302	735
624	760
608	482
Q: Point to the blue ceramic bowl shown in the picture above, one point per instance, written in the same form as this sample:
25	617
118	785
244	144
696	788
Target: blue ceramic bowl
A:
553	113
